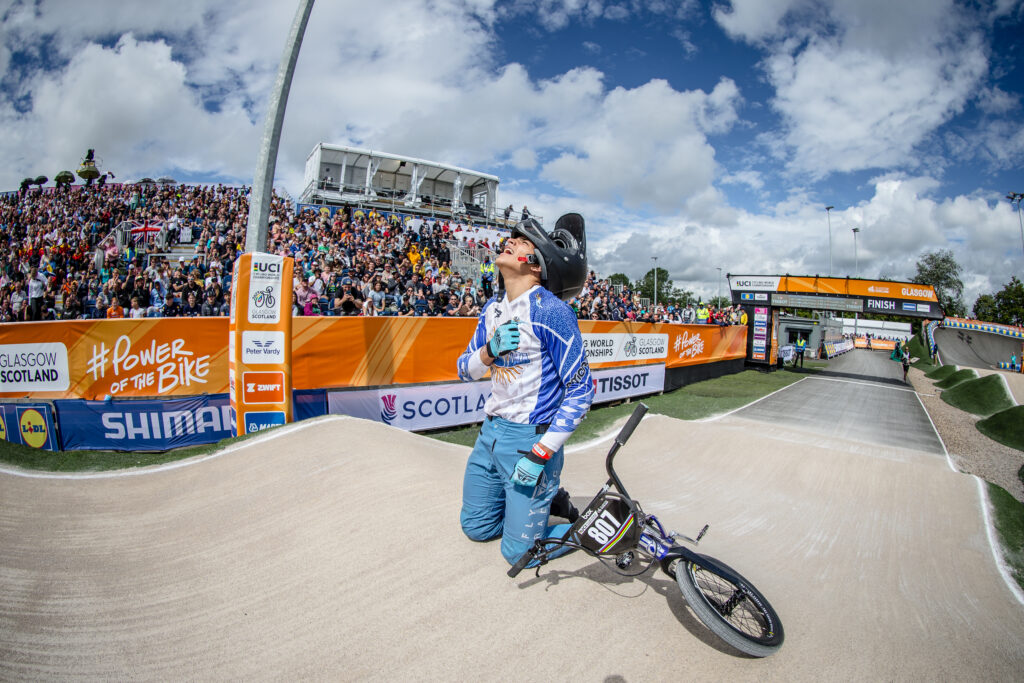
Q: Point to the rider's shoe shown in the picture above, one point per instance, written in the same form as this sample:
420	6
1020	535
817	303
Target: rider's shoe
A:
561	506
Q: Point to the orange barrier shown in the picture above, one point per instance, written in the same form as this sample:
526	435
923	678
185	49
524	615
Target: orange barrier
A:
158	357
876	344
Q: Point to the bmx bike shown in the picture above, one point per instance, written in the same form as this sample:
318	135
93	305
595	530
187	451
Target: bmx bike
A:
614	529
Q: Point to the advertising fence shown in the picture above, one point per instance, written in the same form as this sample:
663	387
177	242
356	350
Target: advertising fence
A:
837	348
338	365
874	344
29	424
153	425
174	357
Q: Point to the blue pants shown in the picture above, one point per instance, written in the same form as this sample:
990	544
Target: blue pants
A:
493	506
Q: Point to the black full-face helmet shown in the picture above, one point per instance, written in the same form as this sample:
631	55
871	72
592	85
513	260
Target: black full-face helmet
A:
561	254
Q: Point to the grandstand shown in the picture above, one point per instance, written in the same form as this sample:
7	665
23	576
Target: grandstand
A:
420	230
337	175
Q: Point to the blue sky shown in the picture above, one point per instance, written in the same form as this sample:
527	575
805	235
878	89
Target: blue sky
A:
709	134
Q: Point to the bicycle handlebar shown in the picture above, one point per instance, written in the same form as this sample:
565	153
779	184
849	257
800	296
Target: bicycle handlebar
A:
520	563
634	420
620	439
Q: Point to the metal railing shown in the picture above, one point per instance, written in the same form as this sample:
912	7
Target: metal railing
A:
395	201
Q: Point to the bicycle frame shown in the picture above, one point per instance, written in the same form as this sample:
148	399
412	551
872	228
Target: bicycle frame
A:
653	541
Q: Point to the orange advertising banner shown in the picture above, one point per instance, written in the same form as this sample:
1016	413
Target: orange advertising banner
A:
807	284
92	359
874	344
187	356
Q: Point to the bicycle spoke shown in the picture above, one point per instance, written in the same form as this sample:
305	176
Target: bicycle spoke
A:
731	602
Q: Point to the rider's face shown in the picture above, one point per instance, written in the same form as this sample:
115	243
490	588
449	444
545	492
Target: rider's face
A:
515	253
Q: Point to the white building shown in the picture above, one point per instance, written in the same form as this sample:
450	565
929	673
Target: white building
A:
348	175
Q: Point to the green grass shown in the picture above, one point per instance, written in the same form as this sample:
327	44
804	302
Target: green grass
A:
1006	427
983	396
920	351
1008	518
692	402
956	378
100	461
941	372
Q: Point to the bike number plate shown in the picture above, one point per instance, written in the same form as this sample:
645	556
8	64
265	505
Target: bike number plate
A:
607	526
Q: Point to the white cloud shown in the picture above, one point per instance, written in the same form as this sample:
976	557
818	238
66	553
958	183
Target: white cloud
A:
753	20
644	146
751	179
850	110
149	120
861	84
898	224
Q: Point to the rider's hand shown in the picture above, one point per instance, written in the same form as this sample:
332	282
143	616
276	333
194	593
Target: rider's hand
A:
530	466
505	340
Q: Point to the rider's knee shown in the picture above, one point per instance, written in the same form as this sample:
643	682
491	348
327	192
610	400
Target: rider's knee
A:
480	532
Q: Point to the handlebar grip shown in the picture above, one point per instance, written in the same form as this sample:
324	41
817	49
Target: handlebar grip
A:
520	563
634	420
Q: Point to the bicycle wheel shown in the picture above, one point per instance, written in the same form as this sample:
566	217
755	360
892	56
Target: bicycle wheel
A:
736	612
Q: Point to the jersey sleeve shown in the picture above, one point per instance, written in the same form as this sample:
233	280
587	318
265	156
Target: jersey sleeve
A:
470	367
560	336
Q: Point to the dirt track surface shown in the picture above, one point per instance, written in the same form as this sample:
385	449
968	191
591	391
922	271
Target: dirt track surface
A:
334	553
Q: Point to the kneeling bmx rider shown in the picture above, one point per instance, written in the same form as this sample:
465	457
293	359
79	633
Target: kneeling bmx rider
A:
540	388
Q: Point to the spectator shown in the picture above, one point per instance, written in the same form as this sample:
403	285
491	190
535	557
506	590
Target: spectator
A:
191	309
136	310
115	309
171	308
210	307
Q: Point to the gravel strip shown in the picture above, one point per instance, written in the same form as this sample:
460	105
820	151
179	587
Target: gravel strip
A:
971	451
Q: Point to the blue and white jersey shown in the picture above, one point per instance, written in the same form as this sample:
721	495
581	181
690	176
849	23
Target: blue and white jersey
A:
547	379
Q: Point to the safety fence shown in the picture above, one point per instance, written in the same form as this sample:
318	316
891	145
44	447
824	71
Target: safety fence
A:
874	344
831	349
154	384
979	326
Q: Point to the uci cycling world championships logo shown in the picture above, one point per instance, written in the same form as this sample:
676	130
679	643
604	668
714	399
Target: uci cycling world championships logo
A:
265	288
387	410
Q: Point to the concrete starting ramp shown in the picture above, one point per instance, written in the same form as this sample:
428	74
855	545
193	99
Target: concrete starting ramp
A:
332	551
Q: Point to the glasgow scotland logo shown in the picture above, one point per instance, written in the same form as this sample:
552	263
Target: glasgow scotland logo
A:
388	412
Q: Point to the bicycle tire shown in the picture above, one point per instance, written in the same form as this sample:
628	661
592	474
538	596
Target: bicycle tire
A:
736	612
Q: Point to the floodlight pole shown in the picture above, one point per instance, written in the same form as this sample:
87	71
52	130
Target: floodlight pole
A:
856	273
1016	197
719	302
828	215
856	261
266	163
655	259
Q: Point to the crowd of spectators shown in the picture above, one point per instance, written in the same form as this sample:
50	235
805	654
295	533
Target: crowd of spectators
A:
600	300
56	264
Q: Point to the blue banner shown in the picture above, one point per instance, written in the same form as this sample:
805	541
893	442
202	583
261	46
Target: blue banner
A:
149	425
30	424
307	403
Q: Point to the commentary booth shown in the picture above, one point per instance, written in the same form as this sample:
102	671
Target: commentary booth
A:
766	298
155	384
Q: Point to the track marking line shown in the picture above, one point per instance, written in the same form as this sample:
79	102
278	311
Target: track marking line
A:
985	504
881	385
598	440
996	549
727	414
140	471
945	451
